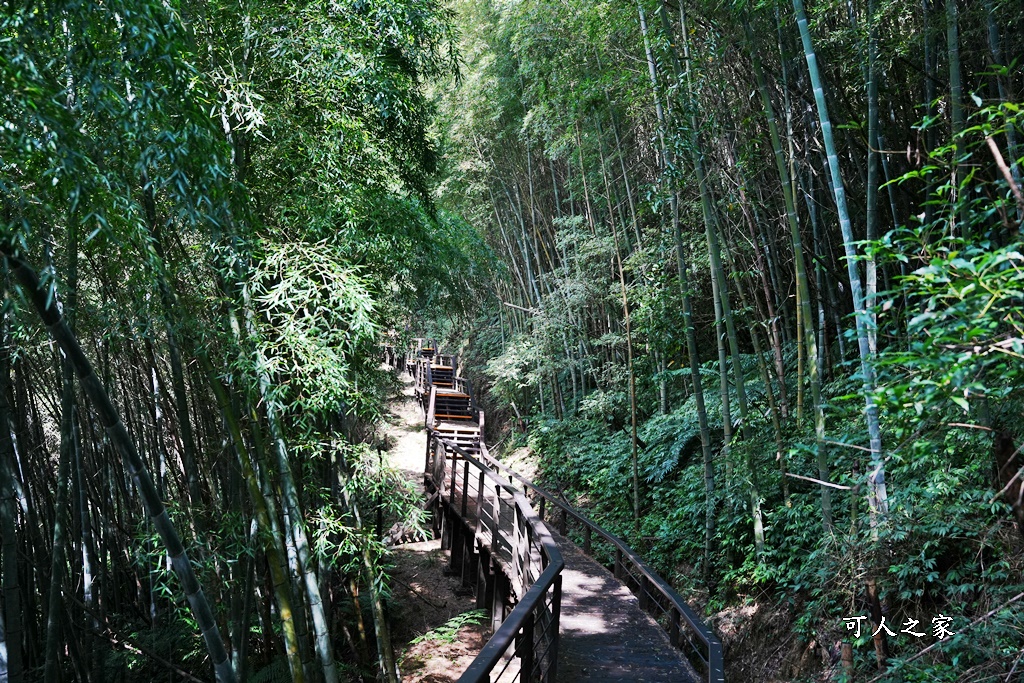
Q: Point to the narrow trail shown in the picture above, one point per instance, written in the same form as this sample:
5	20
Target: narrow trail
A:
605	635
406	431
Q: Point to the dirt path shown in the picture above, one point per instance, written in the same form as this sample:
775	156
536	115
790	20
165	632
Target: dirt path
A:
423	598
405	430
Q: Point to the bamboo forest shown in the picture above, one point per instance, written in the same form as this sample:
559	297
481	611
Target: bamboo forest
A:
511	340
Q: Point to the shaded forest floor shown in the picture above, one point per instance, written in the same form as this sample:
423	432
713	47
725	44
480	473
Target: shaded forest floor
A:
423	599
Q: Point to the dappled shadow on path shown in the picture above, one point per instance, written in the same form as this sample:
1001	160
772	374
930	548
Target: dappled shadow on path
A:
605	634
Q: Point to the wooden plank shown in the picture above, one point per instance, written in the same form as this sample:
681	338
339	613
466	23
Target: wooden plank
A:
451	392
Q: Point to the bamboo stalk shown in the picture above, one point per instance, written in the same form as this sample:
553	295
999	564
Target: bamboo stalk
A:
46	307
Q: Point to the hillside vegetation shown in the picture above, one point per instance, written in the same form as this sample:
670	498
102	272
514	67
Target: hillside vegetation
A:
747	279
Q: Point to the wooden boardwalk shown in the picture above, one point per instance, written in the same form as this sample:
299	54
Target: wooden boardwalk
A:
605	634
531	578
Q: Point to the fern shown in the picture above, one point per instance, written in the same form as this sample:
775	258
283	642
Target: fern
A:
275	672
449	630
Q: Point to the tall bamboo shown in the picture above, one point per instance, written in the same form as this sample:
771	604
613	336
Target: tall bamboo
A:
878	498
266	519
634	456
719	283
871	212
782	168
68	455
11	669
684	289
47	309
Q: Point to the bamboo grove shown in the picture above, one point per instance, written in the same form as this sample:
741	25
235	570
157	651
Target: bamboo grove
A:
758	300
745	277
210	214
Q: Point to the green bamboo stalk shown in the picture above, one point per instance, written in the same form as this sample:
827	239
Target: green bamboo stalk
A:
273	545
800	266
956	104
803	289
684	289
57	559
876	477
68	454
11	630
385	649
321	629
169	302
719	282
629	346
956	88
871	213
46	307
996	50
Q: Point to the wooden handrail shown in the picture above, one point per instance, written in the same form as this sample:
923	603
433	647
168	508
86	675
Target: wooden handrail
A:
518	626
712	659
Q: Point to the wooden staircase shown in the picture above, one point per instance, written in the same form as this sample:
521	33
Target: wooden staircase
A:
452	413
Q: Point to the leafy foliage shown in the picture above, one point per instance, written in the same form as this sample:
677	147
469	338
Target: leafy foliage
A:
448	632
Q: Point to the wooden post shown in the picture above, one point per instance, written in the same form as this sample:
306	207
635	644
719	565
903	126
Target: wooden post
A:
673	627
457	548
556	613
446	527
480	503
496	521
485	582
498	594
454	473
587	531
468	550
426	464
618	563
465	488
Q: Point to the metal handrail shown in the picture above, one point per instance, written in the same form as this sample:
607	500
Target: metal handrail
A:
518	625
713	661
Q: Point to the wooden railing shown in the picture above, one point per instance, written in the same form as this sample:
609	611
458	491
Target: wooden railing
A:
686	630
517	564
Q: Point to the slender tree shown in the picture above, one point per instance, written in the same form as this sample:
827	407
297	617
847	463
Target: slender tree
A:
45	304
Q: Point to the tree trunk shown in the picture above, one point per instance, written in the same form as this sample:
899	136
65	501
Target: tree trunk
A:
11	630
878	498
266	519
782	168
691	336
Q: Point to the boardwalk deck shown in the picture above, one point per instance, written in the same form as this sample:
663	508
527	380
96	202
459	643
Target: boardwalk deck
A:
605	634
